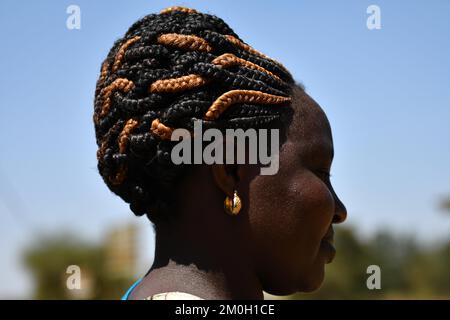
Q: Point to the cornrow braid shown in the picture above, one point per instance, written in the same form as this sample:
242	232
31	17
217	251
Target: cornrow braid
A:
178	84
228	59
185	42
125	134
178	9
168	71
241	96
120	55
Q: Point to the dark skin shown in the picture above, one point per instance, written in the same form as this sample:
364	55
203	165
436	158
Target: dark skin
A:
281	239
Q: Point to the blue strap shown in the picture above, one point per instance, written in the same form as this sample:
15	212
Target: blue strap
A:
127	294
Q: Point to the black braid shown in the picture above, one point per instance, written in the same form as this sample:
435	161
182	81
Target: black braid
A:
123	98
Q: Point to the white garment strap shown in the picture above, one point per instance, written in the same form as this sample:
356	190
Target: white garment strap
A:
173	296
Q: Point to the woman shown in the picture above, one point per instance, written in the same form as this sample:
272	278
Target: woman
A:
223	231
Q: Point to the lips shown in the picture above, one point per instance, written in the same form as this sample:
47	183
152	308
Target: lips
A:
329	236
327	245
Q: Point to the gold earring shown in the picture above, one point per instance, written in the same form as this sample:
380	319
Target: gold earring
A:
233	205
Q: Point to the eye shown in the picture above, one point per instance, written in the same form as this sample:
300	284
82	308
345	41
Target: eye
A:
324	174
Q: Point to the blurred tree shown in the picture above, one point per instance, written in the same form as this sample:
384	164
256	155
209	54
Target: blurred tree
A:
445	204
393	254
442	276
49	259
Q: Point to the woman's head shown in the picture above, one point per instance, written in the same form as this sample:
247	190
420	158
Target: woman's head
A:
181	66
169	70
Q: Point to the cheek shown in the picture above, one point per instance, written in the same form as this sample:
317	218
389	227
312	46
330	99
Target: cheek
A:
289	215
316	208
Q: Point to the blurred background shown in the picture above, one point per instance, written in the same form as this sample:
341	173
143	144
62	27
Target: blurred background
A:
385	91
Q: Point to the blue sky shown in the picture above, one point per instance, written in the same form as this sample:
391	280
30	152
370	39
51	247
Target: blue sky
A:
386	93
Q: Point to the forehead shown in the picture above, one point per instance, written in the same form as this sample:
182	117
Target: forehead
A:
310	128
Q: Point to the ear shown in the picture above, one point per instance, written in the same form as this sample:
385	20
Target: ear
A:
226	177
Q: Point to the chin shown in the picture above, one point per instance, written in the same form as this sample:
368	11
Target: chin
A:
307	282
313	280
311	286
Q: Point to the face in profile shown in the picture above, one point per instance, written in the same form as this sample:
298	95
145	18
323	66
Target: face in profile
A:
292	213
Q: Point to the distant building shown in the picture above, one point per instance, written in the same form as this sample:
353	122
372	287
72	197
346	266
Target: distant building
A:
121	251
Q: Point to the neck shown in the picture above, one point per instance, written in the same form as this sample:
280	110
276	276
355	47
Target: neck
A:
205	256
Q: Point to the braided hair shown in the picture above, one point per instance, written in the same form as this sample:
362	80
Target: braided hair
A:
168	71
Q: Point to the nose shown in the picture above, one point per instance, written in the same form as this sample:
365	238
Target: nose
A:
340	212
